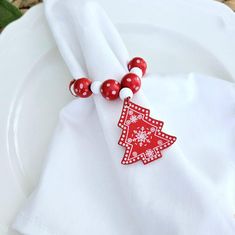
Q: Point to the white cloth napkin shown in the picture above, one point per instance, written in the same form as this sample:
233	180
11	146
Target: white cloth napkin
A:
85	190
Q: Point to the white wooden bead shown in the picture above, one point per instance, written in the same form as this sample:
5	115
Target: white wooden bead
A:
95	87
137	71
72	89
125	93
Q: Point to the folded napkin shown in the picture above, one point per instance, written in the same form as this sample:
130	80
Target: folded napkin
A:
84	189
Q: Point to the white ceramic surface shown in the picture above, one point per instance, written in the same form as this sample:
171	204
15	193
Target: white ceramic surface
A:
180	37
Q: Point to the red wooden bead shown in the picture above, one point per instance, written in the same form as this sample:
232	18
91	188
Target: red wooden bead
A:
81	87
131	81
138	62
110	89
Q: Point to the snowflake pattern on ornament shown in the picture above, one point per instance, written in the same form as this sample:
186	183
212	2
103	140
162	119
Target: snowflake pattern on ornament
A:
142	135
133	119
149	153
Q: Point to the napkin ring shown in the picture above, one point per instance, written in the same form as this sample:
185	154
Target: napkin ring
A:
141	135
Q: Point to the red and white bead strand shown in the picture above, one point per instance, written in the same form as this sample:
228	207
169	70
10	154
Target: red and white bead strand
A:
112	89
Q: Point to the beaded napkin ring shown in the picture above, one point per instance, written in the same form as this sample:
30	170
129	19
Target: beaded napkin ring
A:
142	135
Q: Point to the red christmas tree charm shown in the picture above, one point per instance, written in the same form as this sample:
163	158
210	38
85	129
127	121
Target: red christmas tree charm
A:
142	135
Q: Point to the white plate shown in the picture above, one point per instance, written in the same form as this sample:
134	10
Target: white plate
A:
177	37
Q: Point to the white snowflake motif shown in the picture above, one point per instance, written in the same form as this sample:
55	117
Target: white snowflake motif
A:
141	136
133	118
149	153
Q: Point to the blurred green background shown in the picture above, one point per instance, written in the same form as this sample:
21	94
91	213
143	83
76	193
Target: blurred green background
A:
11	10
